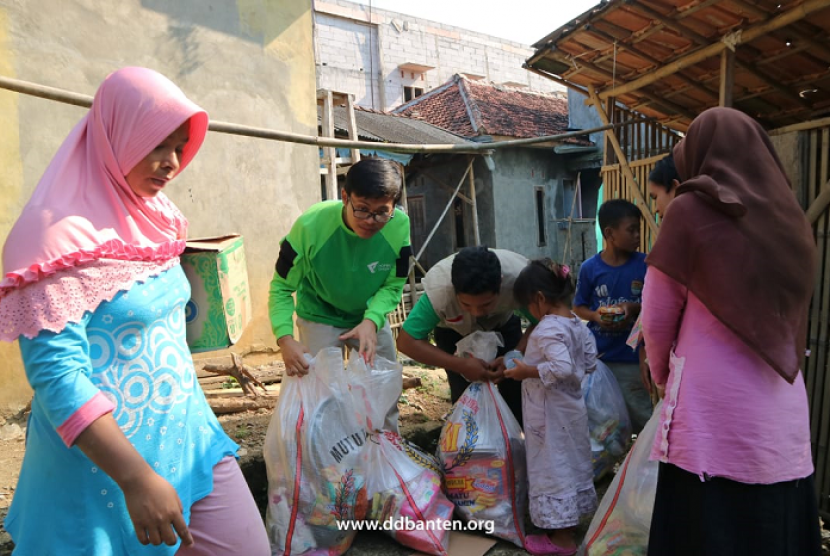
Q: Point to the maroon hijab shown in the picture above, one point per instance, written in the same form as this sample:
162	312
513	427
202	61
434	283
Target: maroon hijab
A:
736	237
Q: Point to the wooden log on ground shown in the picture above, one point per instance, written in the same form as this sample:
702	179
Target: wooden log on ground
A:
268	374
229	404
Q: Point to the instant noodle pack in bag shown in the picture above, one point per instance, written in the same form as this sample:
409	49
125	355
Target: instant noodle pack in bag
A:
622	523
608	422
403	483
315	462
482	453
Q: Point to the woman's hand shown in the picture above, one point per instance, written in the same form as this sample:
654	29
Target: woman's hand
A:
293	355
156	510
366	333
154	506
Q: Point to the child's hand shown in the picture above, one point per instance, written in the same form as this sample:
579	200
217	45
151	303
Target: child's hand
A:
521	371
631	311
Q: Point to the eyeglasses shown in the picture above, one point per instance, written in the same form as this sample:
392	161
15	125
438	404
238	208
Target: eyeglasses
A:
380	217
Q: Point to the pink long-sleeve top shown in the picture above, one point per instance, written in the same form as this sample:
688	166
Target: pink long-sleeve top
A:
726	412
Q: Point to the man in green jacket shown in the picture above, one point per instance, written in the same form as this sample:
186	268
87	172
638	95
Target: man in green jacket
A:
347	261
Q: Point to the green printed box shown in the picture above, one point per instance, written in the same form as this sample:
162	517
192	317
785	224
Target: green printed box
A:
220	299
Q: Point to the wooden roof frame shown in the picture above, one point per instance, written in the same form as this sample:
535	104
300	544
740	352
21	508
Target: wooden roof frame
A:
672	59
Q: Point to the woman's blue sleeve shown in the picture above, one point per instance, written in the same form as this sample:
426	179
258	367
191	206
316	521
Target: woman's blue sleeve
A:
58	367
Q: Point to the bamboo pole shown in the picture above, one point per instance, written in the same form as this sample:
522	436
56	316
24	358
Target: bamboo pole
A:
727	78
747	35
471	176
819	205
566	249
623	161
76	99
353	127
330	155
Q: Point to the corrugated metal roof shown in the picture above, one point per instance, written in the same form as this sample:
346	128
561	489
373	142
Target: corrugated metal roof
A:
388	128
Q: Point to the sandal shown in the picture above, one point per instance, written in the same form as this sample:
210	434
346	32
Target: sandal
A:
541	545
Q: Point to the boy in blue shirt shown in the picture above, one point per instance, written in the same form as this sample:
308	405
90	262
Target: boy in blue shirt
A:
614	278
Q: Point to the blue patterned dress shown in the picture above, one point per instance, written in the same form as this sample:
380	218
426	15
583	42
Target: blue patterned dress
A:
132	349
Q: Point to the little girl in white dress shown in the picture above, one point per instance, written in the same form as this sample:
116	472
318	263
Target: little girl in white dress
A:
560	351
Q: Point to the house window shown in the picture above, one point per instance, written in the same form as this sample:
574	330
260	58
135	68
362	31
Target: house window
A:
540	215
412	92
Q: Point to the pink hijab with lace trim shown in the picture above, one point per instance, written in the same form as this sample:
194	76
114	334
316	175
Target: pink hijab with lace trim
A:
83	210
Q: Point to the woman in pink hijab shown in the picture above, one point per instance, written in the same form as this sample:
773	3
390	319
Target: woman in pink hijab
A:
123	453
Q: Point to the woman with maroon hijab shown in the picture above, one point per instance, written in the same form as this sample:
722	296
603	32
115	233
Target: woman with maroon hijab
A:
724	319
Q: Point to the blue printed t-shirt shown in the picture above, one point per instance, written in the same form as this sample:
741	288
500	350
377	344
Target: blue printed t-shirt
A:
601	285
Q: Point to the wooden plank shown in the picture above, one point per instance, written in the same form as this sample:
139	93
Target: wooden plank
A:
813	330
801	126
822	383
353	127
727	78
626	170
640	153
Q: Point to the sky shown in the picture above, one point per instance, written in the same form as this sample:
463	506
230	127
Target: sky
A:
524	21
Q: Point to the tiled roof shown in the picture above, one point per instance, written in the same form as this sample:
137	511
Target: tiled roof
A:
472	108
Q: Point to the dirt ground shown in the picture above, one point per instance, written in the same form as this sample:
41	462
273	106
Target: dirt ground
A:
421	410
421	413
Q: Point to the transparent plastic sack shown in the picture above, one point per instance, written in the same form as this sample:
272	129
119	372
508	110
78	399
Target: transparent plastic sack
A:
483	345
608	421
403	483
482	453
623	520
314	459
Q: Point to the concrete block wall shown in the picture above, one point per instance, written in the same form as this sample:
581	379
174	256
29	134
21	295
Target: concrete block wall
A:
245	62
402	39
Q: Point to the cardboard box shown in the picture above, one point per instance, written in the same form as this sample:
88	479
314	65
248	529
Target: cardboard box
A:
220	301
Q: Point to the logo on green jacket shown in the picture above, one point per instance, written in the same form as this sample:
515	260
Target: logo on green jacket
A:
376	267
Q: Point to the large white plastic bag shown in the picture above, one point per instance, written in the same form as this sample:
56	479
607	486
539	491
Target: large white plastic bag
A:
480	344
314	459
622	523
482	453
403	483
608	421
